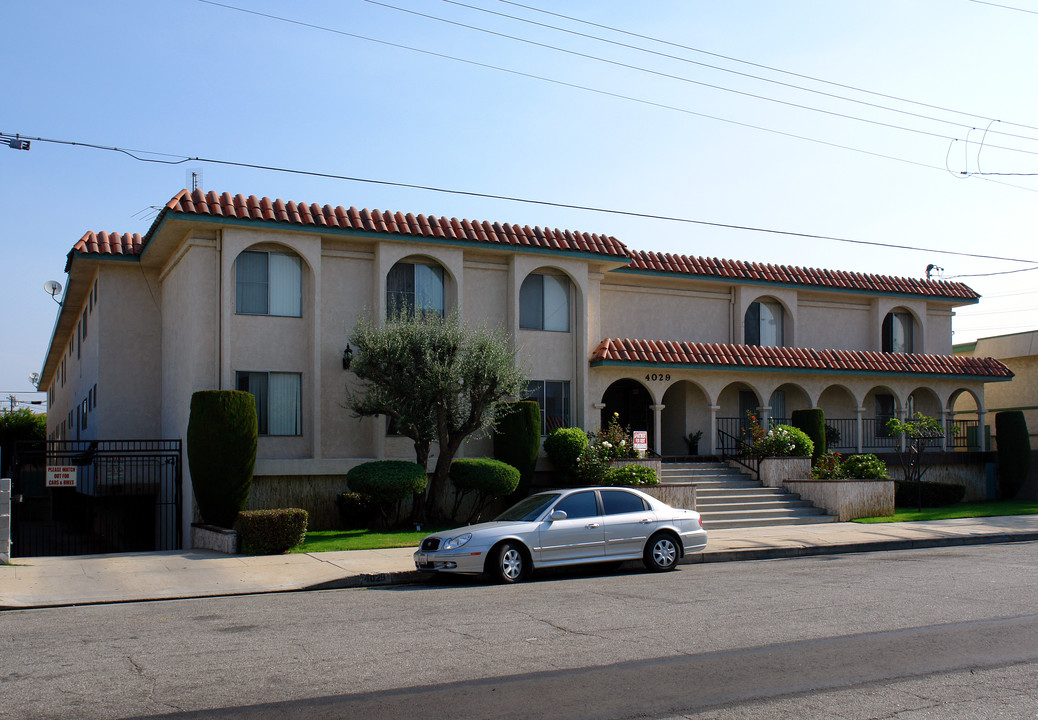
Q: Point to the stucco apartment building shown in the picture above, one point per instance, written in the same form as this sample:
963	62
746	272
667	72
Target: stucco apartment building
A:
1019	352
257	294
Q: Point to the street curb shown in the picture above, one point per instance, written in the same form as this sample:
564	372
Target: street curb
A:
875	546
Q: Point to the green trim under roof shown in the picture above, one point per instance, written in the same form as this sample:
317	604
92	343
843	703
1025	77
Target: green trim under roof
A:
772	369
367	234
774	283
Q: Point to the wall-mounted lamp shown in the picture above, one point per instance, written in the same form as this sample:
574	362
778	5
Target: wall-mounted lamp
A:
347	357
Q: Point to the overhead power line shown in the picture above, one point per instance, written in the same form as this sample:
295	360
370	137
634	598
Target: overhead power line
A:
136	155
769	67
679	78
598	91
679	58
1005	7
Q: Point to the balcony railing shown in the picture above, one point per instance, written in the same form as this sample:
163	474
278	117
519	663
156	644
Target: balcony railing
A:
961	434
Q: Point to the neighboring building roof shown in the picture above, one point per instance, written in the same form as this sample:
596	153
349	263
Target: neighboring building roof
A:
624	350
786	274
103	243
390	223
1012	345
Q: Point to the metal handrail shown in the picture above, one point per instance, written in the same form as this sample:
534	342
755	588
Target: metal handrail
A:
748	458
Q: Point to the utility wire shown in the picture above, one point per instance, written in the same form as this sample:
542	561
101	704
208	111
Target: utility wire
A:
597	91
679	78
721	69
546	203
1005	7
1004	272
767	67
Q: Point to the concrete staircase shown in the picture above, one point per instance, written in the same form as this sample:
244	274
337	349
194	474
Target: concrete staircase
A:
729	498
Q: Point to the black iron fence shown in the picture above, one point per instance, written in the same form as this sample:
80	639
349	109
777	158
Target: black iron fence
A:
102	496
842	434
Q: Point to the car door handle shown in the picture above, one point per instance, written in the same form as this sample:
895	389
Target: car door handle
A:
645	521
591	526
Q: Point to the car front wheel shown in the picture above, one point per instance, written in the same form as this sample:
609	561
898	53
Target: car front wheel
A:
661	553
509	563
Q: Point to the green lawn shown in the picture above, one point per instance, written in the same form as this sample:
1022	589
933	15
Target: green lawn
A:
329	540
960	510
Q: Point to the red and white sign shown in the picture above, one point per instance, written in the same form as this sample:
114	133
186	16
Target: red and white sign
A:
641	440
61	476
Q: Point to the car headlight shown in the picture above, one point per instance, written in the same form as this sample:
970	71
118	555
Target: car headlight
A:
456	542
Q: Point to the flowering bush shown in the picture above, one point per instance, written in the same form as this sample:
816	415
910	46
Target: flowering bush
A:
832	466
630	475
614	441
784	441
865	467
828	467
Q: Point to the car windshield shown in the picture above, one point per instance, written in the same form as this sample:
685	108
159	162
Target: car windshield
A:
529	509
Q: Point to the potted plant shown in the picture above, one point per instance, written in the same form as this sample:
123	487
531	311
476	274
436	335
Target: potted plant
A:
692	441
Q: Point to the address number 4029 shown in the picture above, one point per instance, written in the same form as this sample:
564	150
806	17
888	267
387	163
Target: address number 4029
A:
658	377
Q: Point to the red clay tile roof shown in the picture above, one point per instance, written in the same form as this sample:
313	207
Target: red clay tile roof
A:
836	279
278	211
104	243
749	356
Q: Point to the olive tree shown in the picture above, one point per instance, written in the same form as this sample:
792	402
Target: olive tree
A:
440	381
914	435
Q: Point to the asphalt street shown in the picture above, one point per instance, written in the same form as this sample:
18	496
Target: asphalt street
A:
705	641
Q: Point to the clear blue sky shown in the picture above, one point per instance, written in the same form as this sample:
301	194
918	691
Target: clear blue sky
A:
190	78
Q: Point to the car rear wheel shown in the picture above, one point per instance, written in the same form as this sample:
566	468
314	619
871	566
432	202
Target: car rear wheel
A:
509	563
661	553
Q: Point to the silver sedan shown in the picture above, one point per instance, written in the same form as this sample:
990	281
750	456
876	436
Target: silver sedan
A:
567	527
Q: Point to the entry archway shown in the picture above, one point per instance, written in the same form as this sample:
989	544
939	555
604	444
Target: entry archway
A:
630	400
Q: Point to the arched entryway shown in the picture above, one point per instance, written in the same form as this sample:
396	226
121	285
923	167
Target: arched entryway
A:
685	412
631	400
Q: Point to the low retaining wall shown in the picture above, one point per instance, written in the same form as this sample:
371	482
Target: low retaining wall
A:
5	521
774	471
314	493
958	468
678	495
847	499
210	537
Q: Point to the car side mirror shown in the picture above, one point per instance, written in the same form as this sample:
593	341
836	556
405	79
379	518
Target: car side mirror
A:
558	515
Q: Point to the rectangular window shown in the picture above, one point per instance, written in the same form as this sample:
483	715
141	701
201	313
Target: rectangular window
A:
553	397
86	409
84	327
268	283
93	402
544	303
278	400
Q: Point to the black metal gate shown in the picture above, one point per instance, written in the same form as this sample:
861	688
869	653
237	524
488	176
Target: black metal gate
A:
85	497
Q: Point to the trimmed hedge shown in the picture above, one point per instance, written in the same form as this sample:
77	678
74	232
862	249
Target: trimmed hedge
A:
1014	452
387	481
812	422
491	478
517	440
935	494
222	434
564	447
271	532
784	441
355	510
631	475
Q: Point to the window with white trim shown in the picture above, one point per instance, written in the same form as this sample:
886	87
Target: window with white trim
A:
268	283
544	303
279	406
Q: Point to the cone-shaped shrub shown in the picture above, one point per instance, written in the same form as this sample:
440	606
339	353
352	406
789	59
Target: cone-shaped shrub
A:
1014	452
812	422
517	440
221	452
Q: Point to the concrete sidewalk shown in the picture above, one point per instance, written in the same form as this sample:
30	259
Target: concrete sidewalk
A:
83	580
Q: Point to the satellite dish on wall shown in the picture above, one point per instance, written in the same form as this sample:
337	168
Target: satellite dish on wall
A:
53	287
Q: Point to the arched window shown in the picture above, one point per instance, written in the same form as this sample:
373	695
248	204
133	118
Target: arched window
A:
414	287
764	324
897	332
268	283
544	303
